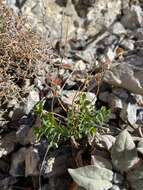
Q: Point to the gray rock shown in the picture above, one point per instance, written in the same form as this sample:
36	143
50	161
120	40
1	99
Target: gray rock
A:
110	55
118	178
121	93
140	116
100	12
110	40
6	182
3	122
25	162
139	35
138	99
18	112
100	161
11	2
133	114
17	168
31	162
115	187
118	29
4	166
80	66
140	146
129	112
105	96
44	187
125	6
106	141
128	44
135	176
128	75
13	103
116	103
102	176
57	162
70	96
88	55
123	153
133	17
15	109
17	3
112	100
7	144
83	18
32	99
118	187
25	135
61	183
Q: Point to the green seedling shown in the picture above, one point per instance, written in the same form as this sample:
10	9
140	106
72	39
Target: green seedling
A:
82	120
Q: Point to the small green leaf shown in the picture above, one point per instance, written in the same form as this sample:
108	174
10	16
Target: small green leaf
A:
81	122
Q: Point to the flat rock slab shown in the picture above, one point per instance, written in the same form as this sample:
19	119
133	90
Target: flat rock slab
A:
128	75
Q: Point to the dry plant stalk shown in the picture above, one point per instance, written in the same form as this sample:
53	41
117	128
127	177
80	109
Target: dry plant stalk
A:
20	51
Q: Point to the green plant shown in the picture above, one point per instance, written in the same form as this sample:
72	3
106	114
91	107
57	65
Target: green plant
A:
82	121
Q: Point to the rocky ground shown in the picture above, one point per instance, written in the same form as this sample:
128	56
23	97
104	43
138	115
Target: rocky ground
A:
93	46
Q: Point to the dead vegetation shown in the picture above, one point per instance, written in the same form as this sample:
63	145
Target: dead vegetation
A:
20	50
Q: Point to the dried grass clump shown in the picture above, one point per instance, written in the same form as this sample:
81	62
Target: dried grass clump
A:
20	51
